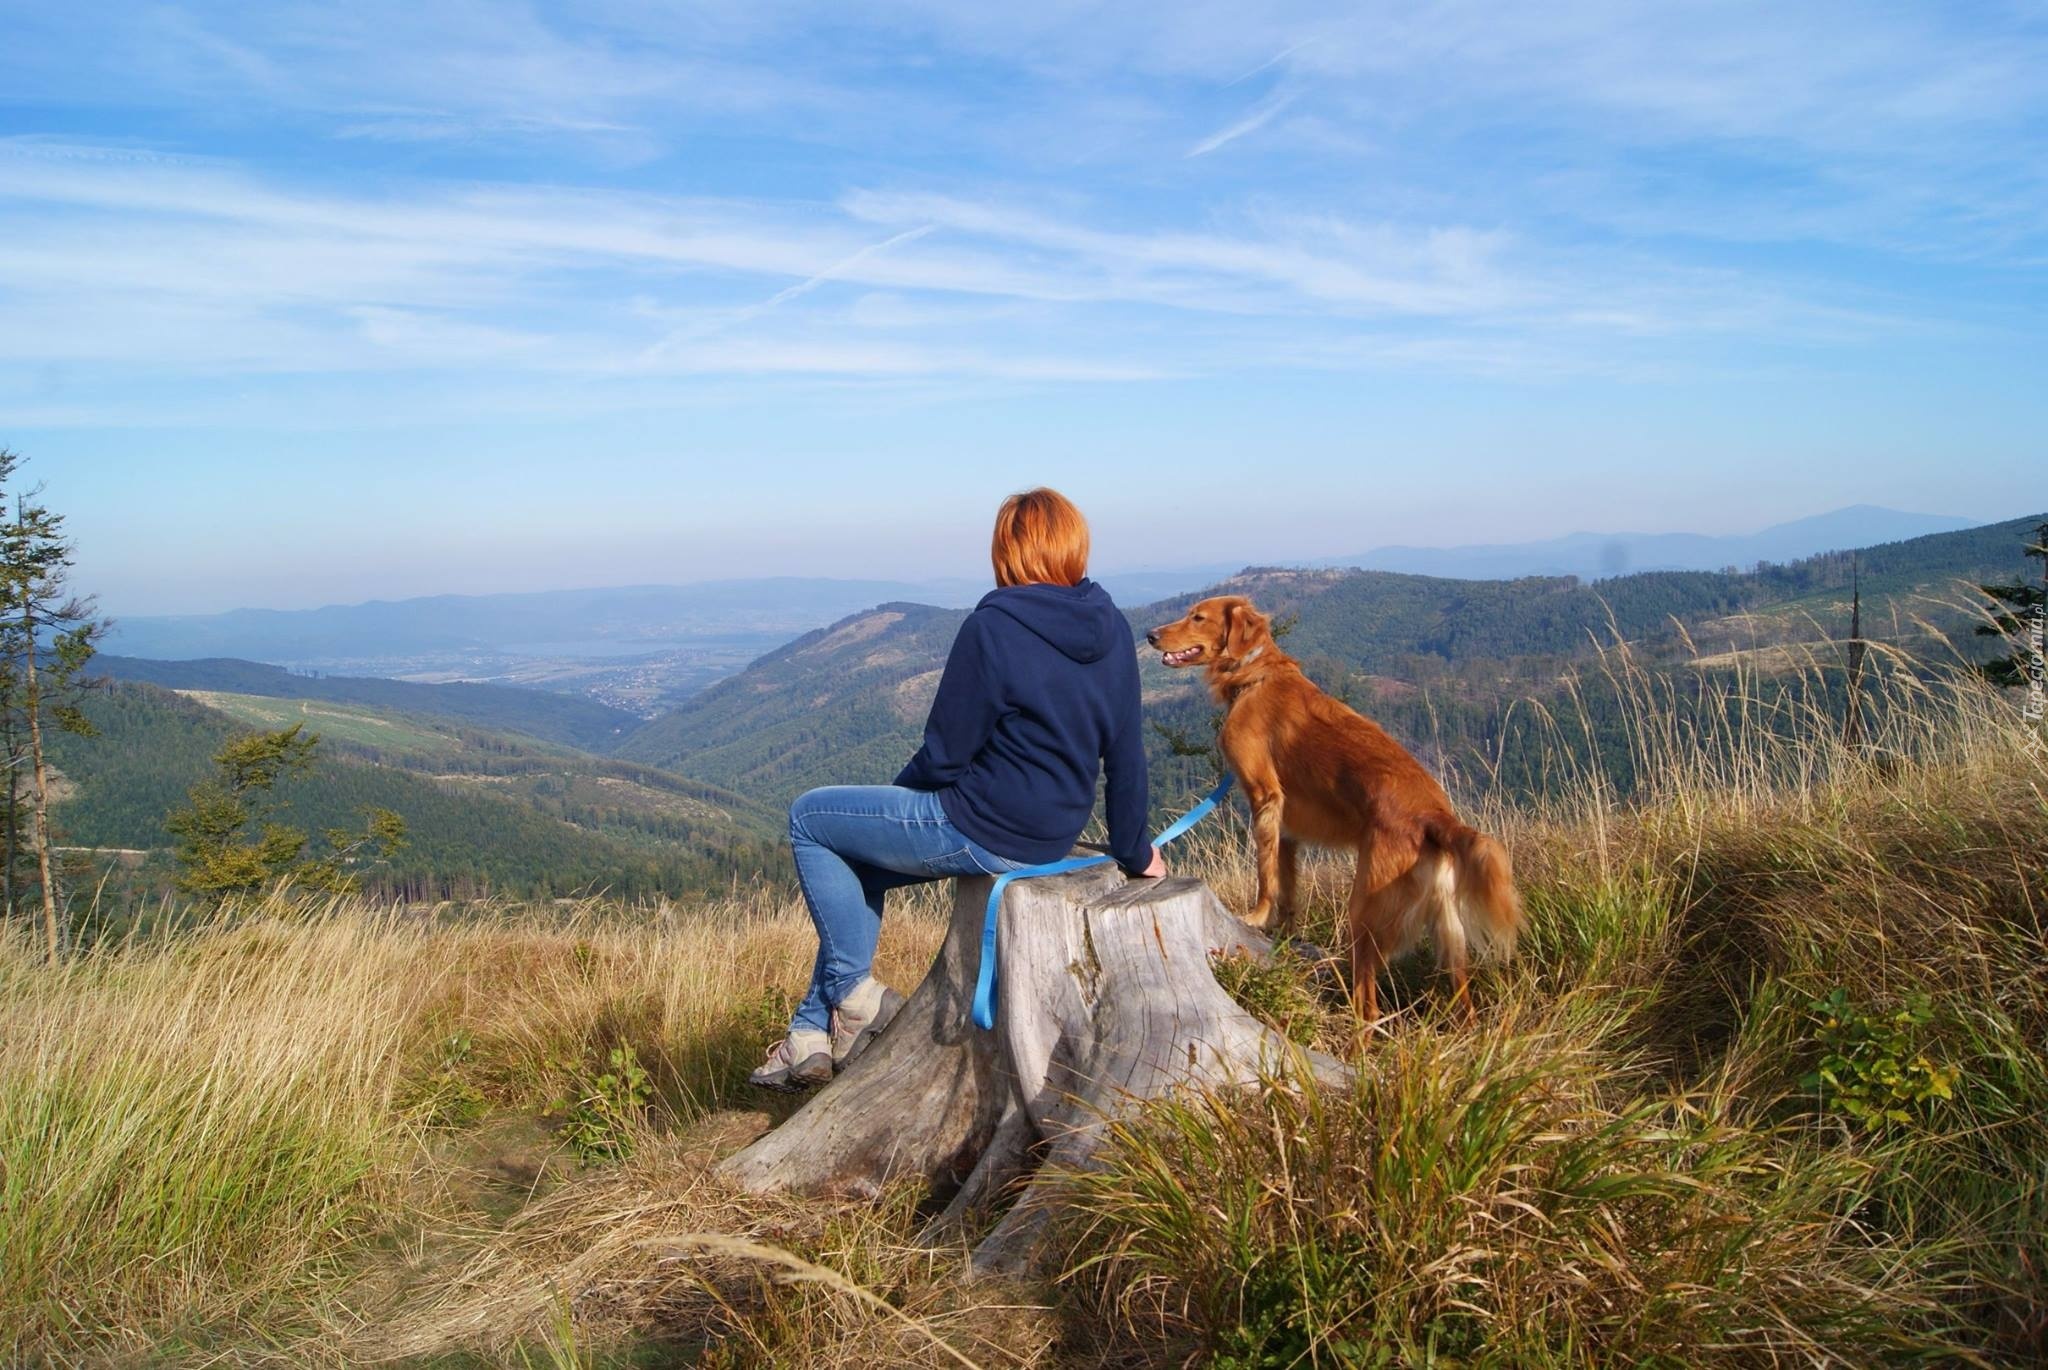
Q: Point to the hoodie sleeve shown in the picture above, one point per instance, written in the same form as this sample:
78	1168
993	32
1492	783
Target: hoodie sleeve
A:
963	713
1127	796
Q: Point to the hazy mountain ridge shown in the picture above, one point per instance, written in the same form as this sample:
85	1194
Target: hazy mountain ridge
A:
1594	556
685	796
607	621
644	649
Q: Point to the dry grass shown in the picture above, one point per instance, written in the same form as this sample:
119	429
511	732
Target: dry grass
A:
1628	1162
317	1132
200	1133
656	1252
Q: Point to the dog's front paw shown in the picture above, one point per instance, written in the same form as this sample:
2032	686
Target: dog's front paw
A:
1260	917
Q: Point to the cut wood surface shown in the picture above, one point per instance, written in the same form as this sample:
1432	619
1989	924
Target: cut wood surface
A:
1104	998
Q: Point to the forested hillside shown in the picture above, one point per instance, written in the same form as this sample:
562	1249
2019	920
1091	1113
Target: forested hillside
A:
570	719
839	702
1443	664
485	813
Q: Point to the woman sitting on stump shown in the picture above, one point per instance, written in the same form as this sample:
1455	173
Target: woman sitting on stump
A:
1039	693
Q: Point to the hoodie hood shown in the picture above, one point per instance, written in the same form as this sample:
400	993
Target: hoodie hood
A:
1079	619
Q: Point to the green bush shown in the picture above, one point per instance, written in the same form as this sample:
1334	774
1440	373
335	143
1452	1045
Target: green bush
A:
446	1097
1871	1065
598	1121
1277	989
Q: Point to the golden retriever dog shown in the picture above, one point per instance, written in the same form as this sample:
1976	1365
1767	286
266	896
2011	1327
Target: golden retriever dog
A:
1315	771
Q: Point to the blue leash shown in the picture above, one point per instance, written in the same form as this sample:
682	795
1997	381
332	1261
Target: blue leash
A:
985	982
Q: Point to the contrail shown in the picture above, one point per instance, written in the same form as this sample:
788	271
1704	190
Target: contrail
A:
1261	115
753	311
853	259
1274	60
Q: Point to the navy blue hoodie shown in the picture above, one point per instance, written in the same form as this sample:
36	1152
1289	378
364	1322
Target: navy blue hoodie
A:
1040	689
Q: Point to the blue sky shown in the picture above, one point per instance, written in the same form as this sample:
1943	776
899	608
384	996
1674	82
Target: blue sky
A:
309	303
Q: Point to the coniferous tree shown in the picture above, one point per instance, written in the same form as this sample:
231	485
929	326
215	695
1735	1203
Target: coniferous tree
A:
2018	607
47	638
229	842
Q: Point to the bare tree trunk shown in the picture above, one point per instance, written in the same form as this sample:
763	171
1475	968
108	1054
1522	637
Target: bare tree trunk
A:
13	815
1852	718
41	835
1105	998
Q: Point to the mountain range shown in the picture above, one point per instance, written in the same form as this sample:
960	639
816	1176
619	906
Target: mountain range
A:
1440	662
531	791
1599	556
647	647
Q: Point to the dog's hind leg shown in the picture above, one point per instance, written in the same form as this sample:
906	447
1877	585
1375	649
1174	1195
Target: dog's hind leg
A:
1449	929
1383	925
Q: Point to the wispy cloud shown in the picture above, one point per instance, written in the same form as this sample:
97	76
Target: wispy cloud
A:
1011	197
142	260
1275	60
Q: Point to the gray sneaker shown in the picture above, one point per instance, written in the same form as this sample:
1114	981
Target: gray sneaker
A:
802	1060
860	1018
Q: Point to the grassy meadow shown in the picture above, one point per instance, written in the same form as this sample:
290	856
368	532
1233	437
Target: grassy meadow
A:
1765	1084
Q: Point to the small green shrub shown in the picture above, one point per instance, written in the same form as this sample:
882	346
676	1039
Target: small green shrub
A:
446	1097
598	1122
1872	1066
1277	989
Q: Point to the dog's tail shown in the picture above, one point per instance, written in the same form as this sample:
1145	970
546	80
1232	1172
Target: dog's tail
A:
1477	883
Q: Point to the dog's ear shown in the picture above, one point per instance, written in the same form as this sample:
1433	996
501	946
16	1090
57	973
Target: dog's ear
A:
1244	628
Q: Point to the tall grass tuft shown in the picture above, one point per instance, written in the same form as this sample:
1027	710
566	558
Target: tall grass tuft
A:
1509	1198
186	1129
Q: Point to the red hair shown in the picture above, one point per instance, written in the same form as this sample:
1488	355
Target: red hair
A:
1041	539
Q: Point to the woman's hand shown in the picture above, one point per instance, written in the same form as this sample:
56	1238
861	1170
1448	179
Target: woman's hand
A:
1158	866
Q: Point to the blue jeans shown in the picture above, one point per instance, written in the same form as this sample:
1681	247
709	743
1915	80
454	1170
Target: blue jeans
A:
853	844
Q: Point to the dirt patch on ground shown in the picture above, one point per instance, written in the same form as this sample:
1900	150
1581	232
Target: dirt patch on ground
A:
504	1165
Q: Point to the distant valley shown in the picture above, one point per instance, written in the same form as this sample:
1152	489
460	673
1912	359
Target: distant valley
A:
639	649
488	811
537	792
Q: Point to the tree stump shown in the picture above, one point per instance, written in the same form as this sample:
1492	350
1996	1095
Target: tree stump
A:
1104	998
